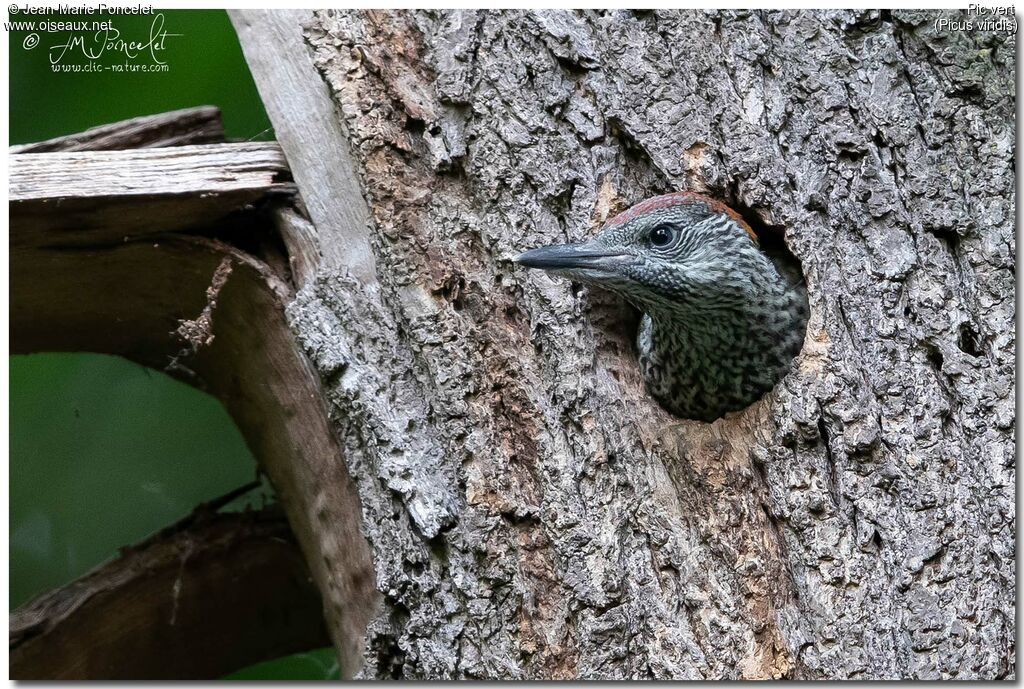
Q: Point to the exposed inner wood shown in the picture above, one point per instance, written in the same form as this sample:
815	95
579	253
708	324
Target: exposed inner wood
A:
312	136
95	196
200	125
115	265
130	298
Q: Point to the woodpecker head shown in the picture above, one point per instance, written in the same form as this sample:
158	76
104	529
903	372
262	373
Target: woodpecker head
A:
678	252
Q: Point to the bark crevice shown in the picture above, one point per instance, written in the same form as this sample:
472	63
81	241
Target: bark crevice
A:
531	511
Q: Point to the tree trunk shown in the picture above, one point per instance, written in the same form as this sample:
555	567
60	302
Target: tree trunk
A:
532	513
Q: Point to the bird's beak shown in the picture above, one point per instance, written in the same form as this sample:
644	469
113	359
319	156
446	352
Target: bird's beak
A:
574	257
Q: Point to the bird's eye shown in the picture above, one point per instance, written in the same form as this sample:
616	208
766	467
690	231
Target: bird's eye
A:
662	235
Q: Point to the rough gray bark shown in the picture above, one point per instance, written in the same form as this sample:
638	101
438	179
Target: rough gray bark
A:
532	513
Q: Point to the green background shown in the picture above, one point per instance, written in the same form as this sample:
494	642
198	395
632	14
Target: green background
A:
103	451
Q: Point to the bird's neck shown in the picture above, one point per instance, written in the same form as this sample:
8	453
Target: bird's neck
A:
702	357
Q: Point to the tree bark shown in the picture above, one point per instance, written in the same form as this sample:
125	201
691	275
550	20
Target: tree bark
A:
531	511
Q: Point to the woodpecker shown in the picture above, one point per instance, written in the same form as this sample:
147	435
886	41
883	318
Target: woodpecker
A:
721	322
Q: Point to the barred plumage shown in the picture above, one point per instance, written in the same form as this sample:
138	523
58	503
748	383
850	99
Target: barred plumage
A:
721	323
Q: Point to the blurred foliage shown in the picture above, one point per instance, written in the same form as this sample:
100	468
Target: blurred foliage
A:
319	664
205	67
103	451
